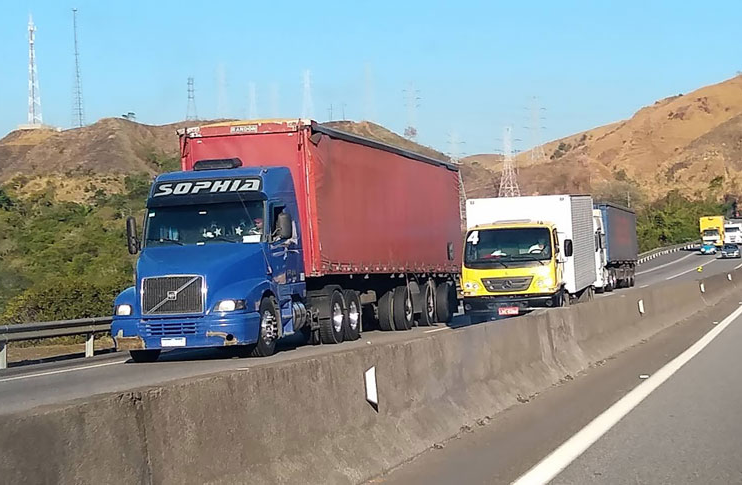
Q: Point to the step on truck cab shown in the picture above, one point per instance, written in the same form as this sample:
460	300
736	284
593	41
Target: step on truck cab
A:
279	227
544	256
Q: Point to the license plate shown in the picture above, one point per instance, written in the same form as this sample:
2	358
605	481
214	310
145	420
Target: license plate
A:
505	311
173	342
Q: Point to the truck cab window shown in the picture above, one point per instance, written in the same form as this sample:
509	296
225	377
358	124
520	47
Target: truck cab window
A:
275	211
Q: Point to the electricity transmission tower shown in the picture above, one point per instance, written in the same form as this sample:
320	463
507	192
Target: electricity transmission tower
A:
412	102
455	155
537	150
191	112
307	106
508	181
34	95
78	110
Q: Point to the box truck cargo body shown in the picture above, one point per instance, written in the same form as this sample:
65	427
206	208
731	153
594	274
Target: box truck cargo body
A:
620	243
528	252
299	226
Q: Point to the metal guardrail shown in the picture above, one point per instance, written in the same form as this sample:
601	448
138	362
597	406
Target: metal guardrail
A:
61	328
90	326
651	254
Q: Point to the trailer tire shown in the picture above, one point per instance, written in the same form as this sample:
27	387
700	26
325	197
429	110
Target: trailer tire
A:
428	315
332	328
149	355
354	317
403	308
386	315
270	319
445	299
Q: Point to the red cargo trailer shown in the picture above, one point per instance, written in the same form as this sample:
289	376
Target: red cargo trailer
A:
387	216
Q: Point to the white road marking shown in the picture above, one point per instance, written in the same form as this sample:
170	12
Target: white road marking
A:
738	266
61	371
689	270
436	330
666	264
643	286
559	459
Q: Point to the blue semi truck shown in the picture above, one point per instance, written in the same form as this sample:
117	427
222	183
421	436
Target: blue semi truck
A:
282	227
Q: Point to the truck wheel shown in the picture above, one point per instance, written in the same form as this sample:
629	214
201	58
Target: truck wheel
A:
632	281
270	319
564	300
611	284
386	315
428	316
445	302
404	312
332	329
150	355
355	312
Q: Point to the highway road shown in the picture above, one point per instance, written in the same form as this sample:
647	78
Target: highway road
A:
28	386
685	431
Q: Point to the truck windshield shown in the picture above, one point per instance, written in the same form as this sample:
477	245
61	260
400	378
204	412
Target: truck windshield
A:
484	247
229	222
711	232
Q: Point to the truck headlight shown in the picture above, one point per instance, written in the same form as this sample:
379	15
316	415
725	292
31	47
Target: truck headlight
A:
230	305
123	310
544	282
471	285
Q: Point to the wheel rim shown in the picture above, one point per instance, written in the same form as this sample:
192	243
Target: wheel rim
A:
354	315
430	303
408	307
337	317
268	326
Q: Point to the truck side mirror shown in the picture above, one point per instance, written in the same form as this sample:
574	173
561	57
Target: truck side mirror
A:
132	241
285	226
568	248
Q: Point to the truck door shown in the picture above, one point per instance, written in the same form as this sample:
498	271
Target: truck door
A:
283	255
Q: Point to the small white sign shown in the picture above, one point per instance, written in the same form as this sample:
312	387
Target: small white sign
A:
173	342
371	394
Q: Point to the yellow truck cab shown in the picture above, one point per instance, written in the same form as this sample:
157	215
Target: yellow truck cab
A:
512	266
712	230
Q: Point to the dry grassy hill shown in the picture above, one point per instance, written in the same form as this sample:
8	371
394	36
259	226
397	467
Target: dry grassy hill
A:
682	142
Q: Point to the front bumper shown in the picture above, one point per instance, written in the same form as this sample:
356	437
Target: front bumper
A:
203	331
525	303
729	255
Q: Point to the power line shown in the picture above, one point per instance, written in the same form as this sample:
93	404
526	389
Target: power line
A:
78	111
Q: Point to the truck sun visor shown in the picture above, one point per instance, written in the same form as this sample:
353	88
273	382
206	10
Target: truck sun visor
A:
217	164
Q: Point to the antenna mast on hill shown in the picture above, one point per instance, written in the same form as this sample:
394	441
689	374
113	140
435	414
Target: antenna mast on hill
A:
253	106
34	95
78	112
508	181
307	106
274	100
537	150
412	102
191	113
455	156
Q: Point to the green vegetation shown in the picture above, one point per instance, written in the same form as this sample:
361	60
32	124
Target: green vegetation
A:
63	260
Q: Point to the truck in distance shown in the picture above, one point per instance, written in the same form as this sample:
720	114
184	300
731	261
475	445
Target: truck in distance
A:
617	246
733	232
283	226
544	257
712	230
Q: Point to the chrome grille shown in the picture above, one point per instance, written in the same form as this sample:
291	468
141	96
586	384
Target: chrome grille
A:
495	285
168	329
168	295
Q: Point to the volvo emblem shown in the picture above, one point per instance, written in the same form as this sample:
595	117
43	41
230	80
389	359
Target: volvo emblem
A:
172	295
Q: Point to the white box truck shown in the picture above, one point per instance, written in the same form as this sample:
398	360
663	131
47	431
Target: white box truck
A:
527	252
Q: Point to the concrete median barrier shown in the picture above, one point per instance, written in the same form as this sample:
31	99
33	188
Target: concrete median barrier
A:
307	420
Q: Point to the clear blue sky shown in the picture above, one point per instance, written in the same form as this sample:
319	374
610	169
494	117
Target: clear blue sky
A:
476	64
